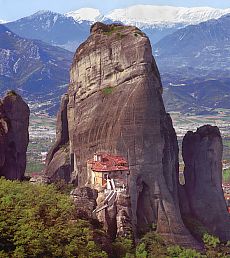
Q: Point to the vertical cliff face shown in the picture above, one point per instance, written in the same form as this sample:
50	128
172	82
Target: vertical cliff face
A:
202	196
14	136
58	159
115	106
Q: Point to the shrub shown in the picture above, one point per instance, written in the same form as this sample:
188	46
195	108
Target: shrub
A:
210	241
154	245
11	93
107	90
123	247
38	221
112	29
214	248
141	251
177	251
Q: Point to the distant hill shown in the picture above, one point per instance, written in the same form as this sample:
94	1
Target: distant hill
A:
52	28
205	46
38	70
198	96
195	66
71	29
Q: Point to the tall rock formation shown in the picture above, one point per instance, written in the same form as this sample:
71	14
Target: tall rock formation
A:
202	195
14	136
58	159
115	106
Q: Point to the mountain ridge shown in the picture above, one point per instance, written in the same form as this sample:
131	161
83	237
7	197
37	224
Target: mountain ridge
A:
50	27
152	15
37	70
199	57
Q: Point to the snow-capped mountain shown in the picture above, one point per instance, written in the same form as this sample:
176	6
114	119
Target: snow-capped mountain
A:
86	14
151	16
52	28
2	21
155	21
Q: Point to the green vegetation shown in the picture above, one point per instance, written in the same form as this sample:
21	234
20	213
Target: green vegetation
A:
195	227
42	136
137	32
112	29
38	221
107	90
226	176
41	221
34	167
214	248
11	93
120	35
152	245
123	247
177	251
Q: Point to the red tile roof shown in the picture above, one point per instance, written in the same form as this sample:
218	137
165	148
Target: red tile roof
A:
109	163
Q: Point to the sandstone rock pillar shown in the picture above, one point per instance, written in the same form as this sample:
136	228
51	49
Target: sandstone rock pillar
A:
202	154
14	136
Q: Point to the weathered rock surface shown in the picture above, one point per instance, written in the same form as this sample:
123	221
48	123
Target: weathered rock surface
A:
14	136
85	201
124	216
117	218
202	196
115	106
58	159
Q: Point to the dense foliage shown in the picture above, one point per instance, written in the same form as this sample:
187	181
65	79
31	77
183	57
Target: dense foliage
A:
39	221
153	246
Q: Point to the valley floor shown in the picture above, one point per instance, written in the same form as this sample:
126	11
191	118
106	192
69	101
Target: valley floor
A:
42	135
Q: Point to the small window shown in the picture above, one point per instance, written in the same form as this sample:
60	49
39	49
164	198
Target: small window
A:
105	176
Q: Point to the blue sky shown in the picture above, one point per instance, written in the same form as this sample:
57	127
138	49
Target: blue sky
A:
14	9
